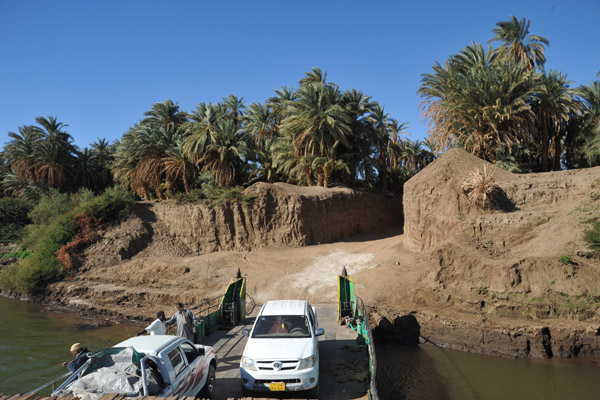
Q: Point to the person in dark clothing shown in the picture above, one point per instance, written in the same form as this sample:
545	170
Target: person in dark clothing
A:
80	354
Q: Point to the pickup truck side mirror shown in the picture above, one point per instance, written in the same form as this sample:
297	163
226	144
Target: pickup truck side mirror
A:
245	332
320	332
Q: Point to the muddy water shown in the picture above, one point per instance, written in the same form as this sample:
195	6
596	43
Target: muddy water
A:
33	343
427	372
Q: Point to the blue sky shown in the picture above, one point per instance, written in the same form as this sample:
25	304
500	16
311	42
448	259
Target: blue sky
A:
99	65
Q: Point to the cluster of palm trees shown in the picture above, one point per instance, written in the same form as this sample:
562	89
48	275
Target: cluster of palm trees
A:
315	135
503	106
42	156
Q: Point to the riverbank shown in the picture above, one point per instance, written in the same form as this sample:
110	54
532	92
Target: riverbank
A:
425	372
386	275
513	281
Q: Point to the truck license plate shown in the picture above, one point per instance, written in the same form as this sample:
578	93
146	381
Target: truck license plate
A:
277	386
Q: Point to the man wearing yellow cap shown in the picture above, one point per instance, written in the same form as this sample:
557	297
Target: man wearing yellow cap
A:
80	354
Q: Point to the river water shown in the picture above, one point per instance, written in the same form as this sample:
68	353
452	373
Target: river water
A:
33	343
430	373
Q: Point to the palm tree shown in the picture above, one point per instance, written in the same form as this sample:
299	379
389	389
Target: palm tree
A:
260	124
266	168
84	171
50	168
139	158
430	151
360	109
223	156
297	168
199	130
317	120
20	151
327	167
480	107
285	158
55	154
587	137
281	104
382	142
177	165
165	114
235	107
554	104
13	186
102	158
438	91
396	128
517	45
314	76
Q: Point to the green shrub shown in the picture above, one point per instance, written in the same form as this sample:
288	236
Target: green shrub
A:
194	196
19	254
50	207
565	260
212	195
83	195
592	235
217	195
112	205
13	218
35	272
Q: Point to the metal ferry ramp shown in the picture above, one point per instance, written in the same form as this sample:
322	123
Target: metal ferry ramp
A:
346	351
343	371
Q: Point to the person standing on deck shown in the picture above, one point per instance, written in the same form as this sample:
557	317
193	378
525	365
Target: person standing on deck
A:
80	354
186	322
157	327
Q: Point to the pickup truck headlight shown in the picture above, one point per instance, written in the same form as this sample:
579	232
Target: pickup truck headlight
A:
308	362
248	364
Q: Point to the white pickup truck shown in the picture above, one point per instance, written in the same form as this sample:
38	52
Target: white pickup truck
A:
157	365
282	353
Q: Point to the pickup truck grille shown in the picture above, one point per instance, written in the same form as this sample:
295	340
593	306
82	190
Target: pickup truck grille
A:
267	381
272	365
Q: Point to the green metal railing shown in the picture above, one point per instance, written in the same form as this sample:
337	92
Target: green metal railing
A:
52	383
226	310
351	308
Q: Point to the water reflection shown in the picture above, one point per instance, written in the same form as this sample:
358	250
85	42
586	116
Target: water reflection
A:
407	372
426	372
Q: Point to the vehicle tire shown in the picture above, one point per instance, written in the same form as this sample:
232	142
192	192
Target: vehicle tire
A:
209	386
246	392
314	392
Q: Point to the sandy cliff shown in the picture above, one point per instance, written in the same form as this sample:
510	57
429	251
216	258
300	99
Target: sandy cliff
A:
485	281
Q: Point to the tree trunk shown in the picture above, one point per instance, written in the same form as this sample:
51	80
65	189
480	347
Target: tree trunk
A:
186	184
320	177
557	151
308	174
544	145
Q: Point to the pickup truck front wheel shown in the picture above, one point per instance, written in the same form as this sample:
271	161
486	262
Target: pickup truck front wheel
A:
209	386
246	392
314	392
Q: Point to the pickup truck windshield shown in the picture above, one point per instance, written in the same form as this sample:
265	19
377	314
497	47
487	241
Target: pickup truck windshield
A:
281	326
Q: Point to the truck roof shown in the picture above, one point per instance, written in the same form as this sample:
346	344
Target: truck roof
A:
284	307
150	344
